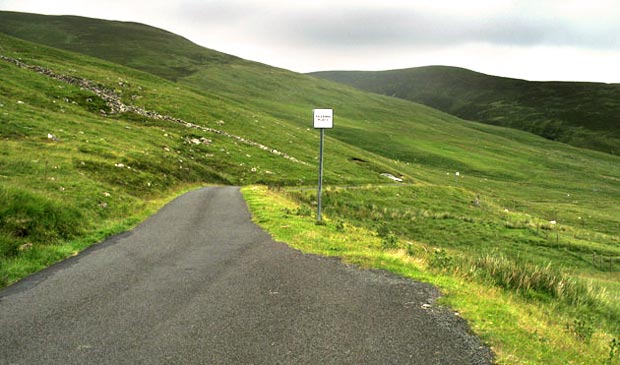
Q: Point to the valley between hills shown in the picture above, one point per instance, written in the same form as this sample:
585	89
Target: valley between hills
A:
102	123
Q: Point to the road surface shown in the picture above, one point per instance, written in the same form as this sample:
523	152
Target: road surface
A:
199	283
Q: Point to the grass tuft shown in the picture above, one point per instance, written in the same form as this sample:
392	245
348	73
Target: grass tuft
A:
32	218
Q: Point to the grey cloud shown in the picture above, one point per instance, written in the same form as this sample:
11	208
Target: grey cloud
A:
231	12
356	27
418	29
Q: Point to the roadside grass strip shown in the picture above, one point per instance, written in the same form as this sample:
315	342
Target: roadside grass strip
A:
520	326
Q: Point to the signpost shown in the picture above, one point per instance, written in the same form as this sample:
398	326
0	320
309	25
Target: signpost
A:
323	119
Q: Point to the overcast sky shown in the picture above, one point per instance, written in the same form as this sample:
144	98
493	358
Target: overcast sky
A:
535	40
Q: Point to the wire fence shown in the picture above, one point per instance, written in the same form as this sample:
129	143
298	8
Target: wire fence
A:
606	263
329	187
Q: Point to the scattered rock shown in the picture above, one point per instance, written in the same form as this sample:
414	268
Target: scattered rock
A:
25	246
114	103
52	137
119	165
392	177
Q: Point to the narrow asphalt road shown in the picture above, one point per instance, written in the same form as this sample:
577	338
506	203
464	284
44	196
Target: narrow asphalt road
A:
199	283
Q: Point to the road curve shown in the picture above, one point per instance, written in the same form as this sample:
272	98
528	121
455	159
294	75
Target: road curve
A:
199	283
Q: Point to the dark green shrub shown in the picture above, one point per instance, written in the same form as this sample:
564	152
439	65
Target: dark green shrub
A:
4	277
441	260
389	242
304	211
287	212
32	217
582	328
9	246
614	352
388	239
383	230
410	249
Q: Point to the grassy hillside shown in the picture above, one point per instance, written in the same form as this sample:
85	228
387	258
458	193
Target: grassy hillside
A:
100	169
135	45
582	114
125	139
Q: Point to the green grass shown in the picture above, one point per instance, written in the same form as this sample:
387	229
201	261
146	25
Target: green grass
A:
446	216
528	314
578	113
102	171
502	259
127	43
33	253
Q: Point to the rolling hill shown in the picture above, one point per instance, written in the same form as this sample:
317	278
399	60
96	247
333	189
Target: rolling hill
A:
131	44
578	113
90	144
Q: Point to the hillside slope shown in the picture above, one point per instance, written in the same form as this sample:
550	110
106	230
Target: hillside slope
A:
80	153
582	114
261	115
135	45
88	147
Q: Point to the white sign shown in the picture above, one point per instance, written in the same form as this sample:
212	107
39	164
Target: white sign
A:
323	118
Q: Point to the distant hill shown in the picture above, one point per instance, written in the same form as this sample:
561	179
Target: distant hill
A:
131	44
582	114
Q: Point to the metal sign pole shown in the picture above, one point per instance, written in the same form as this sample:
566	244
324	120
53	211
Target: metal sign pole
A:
318	215
323	118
